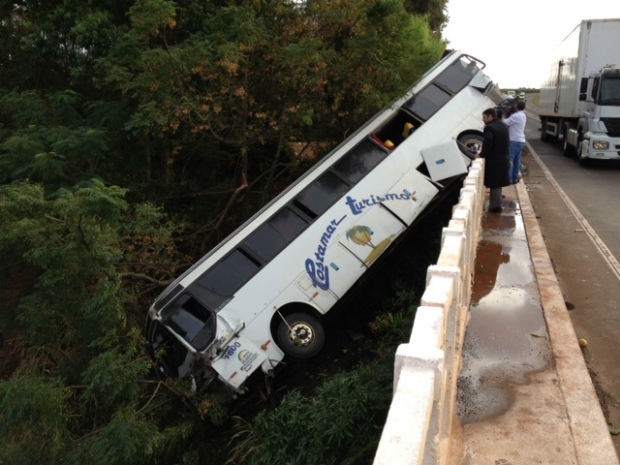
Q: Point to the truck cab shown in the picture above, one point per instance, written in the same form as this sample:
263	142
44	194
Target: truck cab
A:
597	134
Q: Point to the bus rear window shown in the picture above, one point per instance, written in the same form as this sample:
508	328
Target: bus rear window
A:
457	75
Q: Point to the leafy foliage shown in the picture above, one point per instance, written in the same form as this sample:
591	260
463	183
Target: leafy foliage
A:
33	414
132	138
339	424
127	438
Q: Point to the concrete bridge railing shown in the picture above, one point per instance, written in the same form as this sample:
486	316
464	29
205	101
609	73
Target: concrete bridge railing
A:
421	426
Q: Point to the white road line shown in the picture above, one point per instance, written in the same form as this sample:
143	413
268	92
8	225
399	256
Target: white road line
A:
589	230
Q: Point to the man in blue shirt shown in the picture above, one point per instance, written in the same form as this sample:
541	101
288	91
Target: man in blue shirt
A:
516	130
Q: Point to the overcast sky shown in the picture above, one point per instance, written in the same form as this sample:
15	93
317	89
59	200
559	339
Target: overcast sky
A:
514	38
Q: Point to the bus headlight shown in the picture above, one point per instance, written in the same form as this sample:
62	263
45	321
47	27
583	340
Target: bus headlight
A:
600	145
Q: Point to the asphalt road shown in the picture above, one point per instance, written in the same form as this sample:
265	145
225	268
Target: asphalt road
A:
578	210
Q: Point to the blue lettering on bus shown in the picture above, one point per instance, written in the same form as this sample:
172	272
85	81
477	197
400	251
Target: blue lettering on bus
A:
358	206
230	351
315	267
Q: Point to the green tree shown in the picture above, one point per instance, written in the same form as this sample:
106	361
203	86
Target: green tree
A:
132	138
79	335
33	420
434	10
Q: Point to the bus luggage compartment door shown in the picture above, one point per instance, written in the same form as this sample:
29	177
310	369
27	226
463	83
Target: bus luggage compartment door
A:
415	191
329	275
444	161
373	228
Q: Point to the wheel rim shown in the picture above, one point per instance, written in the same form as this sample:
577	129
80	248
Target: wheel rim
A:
301	334
473	145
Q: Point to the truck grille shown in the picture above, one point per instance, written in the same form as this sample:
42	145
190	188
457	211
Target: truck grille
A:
613	126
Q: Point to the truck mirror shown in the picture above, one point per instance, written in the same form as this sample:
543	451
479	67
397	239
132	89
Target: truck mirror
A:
582	96
583	88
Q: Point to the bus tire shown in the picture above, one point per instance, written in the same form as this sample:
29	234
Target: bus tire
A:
470	144
301	335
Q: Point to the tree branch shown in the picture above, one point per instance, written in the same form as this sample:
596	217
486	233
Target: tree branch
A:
130	274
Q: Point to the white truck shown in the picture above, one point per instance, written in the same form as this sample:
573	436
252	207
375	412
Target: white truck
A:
580	100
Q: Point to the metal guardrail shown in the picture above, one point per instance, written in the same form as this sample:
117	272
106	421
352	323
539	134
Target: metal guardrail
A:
421	423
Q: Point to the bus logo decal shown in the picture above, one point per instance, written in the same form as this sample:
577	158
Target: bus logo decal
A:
316	269
247	359
357	206
362	235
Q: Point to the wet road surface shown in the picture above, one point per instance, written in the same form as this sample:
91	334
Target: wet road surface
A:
524	392
506	336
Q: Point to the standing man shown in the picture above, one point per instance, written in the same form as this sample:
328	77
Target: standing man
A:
516	128
495	152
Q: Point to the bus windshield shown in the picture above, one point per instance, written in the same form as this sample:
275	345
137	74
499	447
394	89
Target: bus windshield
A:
191	320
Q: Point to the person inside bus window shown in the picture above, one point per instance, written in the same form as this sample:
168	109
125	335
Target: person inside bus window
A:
407	130
495	152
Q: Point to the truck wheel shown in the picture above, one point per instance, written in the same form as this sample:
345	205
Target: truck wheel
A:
583	160
567	149
300	335
470	145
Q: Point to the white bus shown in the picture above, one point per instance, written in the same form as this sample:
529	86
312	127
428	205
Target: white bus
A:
260	294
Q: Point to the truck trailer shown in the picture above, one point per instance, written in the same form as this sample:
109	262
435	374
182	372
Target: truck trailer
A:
580	100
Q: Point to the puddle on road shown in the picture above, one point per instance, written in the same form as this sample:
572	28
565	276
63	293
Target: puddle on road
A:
506	336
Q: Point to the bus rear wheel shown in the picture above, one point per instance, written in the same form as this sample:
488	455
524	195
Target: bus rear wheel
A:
300	335
470	145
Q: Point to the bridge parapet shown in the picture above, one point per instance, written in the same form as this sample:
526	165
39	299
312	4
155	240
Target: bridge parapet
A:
421	427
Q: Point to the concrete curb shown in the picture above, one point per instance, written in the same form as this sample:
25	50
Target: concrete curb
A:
589	429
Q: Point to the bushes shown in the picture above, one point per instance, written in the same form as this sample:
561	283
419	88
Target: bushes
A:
340	424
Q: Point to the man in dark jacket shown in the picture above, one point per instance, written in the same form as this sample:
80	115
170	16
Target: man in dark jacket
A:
497	162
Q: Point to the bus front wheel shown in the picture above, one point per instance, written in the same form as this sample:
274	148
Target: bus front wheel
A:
301	335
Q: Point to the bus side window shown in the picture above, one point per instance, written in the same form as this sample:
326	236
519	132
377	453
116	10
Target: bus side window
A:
427	102
219	283
359	161
321	194
270	238
398	128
